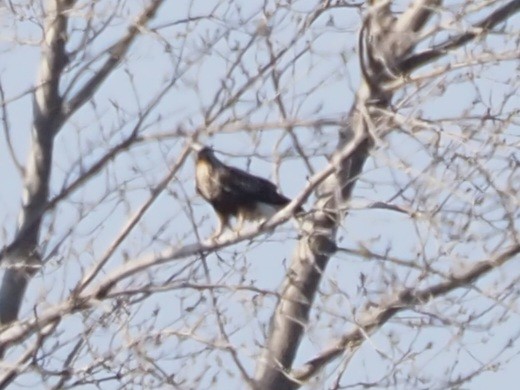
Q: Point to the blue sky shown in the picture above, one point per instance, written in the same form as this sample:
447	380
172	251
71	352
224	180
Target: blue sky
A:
321	84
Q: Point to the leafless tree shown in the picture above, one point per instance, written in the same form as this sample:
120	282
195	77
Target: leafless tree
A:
395	124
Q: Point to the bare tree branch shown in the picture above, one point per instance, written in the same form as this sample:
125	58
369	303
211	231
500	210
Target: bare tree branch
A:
49	115
128	290
7	132
406	299
312	254
415	61
116	53
47	121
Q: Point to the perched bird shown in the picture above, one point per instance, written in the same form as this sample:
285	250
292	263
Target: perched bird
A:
235	193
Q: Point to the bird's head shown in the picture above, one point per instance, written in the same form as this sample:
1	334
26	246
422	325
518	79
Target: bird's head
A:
206	154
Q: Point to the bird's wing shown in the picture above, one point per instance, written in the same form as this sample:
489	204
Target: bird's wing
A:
235	180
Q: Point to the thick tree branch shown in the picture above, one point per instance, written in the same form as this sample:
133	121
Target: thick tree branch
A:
312	254
22	257
310	259
415	61
7	132
130	140
139	265
417	15
314	249
83	297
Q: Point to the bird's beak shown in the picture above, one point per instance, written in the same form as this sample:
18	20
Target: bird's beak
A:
196	147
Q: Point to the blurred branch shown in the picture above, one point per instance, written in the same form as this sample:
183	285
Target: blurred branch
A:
155	192
50	112
10	374
131	139
318	242
481	28
417	15
405	300
384	45
23	257
139	265
116	54
81	298
211	116
7	132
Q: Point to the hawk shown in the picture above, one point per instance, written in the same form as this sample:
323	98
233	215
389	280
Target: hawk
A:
233	192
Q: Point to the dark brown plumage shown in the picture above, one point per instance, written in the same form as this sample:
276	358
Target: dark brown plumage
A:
235	193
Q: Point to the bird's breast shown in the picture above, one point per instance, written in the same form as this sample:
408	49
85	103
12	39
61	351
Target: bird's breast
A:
206	182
